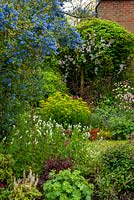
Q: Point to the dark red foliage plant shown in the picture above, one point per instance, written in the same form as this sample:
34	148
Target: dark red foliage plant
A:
56	164
2	185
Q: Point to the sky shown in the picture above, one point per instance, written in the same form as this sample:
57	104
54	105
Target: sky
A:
69	6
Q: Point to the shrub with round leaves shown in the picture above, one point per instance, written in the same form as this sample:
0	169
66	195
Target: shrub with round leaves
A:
67	186
65	109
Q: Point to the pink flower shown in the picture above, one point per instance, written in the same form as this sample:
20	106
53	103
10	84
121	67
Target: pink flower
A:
2	185
75	97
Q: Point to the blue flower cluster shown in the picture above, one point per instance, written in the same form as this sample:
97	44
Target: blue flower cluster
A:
45	28
8	17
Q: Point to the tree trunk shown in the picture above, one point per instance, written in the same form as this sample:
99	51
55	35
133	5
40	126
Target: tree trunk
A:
82	81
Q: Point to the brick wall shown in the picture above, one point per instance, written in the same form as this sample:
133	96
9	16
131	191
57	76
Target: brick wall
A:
121	11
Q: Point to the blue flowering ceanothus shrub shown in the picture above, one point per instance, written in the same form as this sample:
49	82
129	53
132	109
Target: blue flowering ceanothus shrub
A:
38	28
30	31
8	17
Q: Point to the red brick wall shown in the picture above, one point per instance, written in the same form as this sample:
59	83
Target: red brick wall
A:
121	11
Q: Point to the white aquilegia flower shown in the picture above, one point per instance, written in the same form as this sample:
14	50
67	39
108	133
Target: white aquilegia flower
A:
121	68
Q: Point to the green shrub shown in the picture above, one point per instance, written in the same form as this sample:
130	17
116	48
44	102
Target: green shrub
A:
90	163
118	45
6	175
6	168
67	186
118	121
65	110
53	83
105	134
117	174
121	127
104	57
4	193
